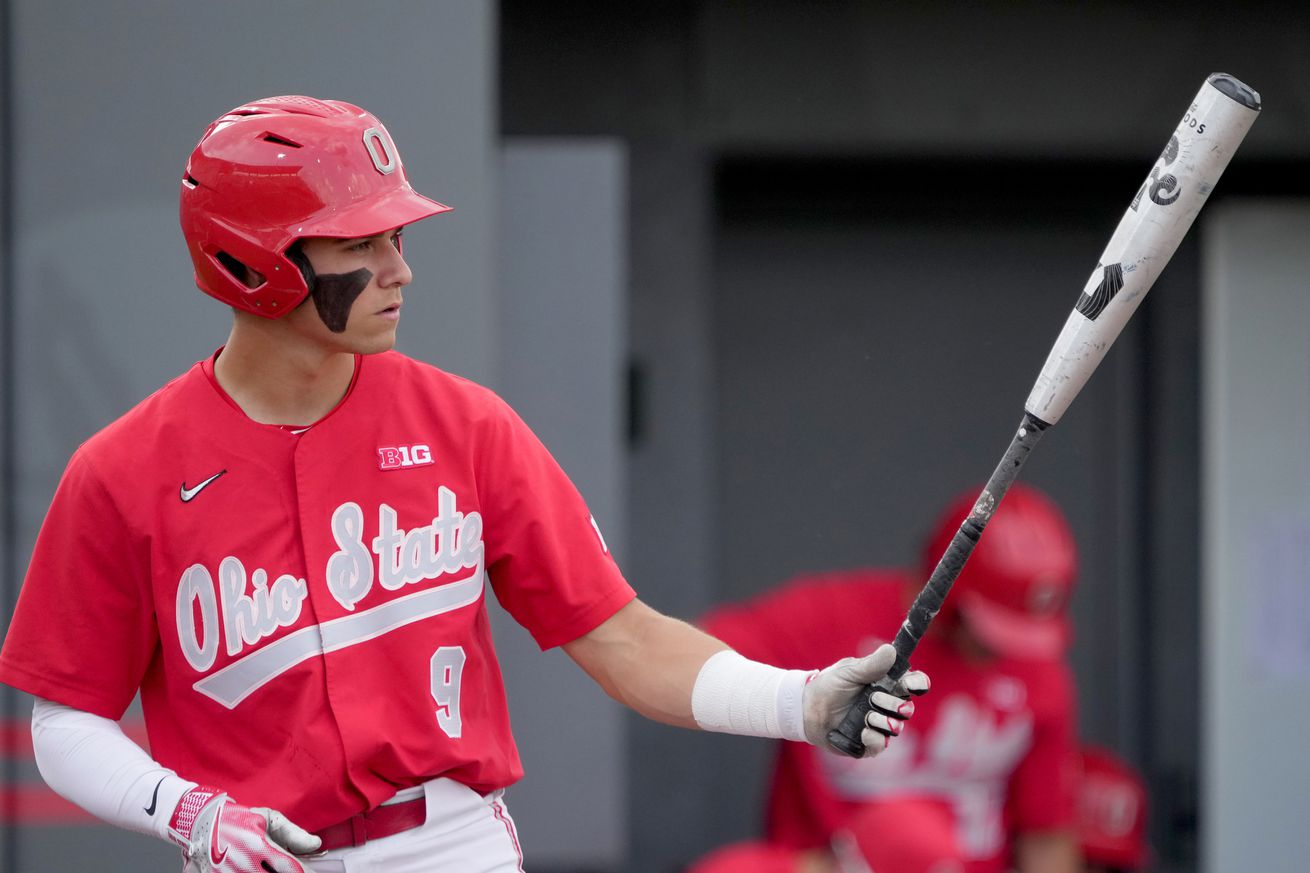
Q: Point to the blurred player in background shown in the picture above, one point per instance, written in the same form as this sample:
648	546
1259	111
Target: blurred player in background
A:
1112	807
286	551
917	835
995	742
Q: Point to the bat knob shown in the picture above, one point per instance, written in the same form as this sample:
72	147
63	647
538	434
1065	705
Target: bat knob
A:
845	738
844	744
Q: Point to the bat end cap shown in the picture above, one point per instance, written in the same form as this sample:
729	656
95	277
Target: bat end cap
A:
1234	88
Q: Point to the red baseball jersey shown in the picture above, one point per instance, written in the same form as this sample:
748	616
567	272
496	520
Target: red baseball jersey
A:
304	613
995	740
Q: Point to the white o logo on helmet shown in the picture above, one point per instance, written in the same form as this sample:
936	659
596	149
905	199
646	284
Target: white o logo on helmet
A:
381	150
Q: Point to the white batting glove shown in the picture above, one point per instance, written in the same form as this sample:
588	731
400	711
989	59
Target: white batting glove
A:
218	835
830	693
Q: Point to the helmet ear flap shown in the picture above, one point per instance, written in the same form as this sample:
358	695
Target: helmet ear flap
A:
224	259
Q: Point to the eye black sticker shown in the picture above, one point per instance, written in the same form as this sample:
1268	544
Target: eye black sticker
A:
335	293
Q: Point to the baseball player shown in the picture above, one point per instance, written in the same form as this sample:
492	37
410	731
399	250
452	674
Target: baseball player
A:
996	739
1111	813
287	552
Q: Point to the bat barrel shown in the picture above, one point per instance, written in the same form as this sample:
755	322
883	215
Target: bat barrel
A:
1146	237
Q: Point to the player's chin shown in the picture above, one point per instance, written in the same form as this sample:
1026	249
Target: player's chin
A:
376	341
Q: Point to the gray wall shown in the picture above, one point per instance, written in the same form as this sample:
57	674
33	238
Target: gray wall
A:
106	111
563	229
107	101
1256	491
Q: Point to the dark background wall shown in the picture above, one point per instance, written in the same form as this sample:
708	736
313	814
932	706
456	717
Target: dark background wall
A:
856	230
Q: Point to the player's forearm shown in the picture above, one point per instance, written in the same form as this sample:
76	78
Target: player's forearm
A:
669	671
647	661
91	762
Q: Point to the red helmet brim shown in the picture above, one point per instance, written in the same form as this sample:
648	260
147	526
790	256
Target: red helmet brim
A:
1012	633
369	218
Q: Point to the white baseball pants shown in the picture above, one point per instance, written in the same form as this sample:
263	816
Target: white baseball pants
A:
464	832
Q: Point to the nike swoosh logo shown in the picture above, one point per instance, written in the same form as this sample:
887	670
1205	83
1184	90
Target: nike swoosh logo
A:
215	856
189	494
154	798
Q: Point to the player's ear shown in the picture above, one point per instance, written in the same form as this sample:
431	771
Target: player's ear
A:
296	255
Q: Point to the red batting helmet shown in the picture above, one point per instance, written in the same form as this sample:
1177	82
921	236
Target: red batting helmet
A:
1015	587
748	857
281	169
901	835
1111	812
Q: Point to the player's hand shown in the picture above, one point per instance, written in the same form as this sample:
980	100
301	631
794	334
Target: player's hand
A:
830	693
218	835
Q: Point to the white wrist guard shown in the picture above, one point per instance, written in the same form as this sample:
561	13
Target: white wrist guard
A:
734	695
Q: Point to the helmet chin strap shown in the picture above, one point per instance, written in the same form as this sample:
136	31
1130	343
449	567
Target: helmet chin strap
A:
333	293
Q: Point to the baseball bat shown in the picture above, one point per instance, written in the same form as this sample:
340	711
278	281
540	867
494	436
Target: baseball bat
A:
1164	208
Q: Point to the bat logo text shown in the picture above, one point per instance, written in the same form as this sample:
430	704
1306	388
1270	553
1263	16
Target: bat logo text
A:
1160	187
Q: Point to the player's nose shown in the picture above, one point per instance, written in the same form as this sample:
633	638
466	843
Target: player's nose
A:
395	272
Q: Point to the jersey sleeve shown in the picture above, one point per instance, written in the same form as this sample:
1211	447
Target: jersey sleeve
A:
1042	793
84	629
548	562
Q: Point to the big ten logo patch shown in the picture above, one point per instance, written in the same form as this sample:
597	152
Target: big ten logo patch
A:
402	457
